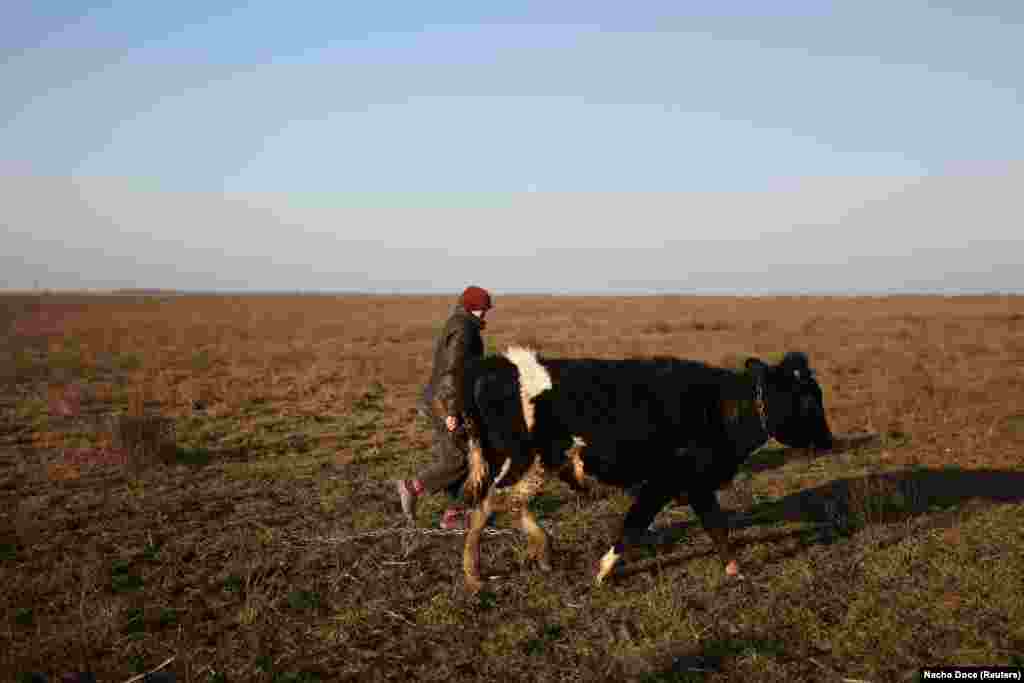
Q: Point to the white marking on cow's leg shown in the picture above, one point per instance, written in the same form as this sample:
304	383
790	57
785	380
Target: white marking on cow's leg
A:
537	547
533	378
606	566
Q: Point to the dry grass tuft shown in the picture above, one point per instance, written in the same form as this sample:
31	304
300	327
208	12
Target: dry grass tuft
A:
147	440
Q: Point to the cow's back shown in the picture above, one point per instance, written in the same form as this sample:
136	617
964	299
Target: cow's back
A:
628	401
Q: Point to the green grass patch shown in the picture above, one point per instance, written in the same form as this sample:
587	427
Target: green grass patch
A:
135	622
303	600
546	504
894	438
127	362
151	551
30	410
371	399
194	457
167	617
1015	423
201	361
66	360
268	468
738	647
122	578
8	552
233	584
202	430
486	600
440	610
137	662
549	634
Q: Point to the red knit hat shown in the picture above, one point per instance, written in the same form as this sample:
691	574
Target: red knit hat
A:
475	299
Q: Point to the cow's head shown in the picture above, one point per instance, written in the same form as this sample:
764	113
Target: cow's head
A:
795	409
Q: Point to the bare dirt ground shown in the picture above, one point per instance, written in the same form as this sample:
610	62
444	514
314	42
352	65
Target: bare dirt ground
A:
197	479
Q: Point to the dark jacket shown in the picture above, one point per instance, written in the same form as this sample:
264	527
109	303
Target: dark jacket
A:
459	341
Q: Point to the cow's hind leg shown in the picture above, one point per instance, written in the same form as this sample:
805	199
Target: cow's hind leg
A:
471	550
538	544
650	499
705	503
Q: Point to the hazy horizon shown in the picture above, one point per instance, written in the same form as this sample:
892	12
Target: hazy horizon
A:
583	148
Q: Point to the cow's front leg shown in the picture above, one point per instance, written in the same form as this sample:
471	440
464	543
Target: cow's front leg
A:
538	545
650	499
471	551
716	523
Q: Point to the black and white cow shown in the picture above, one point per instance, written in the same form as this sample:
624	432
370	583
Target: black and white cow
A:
664	428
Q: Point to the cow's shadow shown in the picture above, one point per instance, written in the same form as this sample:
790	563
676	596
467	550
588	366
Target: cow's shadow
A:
887	497
841	508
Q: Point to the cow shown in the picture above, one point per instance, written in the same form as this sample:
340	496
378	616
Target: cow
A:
661	428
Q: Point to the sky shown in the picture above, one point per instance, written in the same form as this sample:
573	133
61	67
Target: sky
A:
573	147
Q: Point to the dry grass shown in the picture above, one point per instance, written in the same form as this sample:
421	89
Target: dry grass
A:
175	473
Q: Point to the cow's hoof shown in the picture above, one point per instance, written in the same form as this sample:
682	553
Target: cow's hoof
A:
603	575
606	566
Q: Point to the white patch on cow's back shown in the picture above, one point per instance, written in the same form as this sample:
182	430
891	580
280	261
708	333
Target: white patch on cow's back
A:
533	378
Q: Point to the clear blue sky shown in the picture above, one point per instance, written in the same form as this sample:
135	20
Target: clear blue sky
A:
393	146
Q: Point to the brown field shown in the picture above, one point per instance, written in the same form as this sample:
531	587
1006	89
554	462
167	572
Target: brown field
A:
181	477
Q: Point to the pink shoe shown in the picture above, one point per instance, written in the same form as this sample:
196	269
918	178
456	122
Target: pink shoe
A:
454	518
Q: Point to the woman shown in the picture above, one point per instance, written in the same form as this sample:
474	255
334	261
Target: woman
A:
459	341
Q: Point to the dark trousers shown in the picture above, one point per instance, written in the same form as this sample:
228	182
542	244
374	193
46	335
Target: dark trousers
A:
450	468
